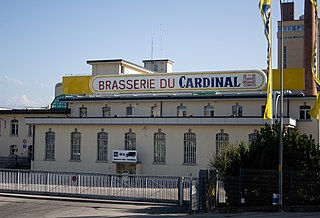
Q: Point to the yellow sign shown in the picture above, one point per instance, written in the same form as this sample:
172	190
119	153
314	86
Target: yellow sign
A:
74	85
293	79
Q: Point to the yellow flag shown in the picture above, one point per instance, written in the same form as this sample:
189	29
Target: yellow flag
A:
314	112
265	10
315	49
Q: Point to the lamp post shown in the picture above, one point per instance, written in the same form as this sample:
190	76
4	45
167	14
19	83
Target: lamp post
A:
281	115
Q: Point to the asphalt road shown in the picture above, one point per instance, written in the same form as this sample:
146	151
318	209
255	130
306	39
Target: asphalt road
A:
40	206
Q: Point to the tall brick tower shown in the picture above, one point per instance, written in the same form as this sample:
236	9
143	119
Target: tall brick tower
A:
309	37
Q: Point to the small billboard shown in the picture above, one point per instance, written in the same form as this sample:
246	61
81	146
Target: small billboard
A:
124	156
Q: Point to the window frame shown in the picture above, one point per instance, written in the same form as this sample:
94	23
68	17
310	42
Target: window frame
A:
102	146
75	151
303	112
181	110
50	145
159	146
130	140
155	111
208	110
237	110
14	127
83	111
222	141
189	148
130	109
106	111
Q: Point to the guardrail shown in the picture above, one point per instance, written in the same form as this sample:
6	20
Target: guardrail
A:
167	189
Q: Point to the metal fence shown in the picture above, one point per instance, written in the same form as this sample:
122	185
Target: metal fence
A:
168	189
14	161
258	189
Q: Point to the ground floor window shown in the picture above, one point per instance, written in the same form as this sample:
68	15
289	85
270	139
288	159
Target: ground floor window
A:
189	147
75	145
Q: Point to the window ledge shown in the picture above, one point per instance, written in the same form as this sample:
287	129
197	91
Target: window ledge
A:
74	160
49	159
305	120
14	135
159	163
102	161
189	164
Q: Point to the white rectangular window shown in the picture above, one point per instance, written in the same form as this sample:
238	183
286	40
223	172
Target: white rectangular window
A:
304	112
14	127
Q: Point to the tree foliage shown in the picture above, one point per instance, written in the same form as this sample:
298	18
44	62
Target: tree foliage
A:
300	156
300	153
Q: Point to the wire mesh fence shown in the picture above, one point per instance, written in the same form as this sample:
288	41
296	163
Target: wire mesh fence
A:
260	189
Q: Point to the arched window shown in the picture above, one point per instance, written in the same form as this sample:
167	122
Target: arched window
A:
181	111
106	111
159	142
50	145
222	141
14	127
102	146
75	145
130	140
208	110
190	148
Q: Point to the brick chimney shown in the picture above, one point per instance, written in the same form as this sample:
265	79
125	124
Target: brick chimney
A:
309	36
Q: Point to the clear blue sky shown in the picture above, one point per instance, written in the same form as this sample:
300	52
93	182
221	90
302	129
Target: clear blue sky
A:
42	40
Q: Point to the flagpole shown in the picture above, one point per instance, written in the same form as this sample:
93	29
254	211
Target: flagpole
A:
281	115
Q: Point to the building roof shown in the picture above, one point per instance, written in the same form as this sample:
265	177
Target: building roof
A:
182	96
119	61
158	60
34	111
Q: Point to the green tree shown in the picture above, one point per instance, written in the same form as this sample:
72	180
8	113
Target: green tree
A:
300	154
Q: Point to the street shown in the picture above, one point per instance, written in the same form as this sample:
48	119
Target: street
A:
38	206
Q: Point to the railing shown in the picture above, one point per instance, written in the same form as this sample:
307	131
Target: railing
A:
258	190
8	161
106	186
14	162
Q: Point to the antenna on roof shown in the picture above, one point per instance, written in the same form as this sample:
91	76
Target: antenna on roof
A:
152	47
161	40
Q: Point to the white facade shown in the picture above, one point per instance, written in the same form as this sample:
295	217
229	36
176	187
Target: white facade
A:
16	137
172	134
